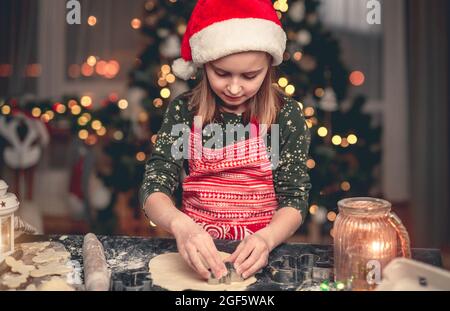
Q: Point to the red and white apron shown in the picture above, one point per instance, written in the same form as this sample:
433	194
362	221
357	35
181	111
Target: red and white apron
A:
230	197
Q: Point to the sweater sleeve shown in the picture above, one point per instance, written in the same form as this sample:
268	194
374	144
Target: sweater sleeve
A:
162	170
291	179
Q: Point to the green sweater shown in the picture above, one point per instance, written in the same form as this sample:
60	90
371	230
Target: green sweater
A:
290	176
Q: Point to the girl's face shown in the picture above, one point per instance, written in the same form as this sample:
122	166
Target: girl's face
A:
236	78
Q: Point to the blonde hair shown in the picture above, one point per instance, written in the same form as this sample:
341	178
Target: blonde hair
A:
264	106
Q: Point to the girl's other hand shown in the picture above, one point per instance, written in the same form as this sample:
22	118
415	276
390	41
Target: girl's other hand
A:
250	256
197	248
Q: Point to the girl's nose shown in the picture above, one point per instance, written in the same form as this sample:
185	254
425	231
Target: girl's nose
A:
234	89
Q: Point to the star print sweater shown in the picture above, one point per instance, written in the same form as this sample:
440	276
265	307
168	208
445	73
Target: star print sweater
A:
290	177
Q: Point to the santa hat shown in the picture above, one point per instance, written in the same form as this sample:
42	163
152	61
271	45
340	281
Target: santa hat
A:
218	28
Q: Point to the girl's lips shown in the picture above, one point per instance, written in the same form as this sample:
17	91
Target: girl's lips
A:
232	98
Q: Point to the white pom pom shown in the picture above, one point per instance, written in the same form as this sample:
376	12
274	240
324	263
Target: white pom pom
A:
183	69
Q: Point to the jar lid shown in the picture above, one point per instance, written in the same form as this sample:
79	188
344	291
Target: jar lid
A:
8	201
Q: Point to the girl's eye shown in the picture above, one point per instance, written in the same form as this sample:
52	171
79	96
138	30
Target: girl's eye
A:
225	74
221	74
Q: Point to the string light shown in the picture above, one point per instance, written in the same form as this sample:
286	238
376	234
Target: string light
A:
45	118
336	140
298	56
113	97
309	123
170	78
357	78
112	69
136	23
165	69
313	209
162	82
100	68
87	116
276	5
322	131
310	163
101	131
92	21
181	29
82	121
319	92
290	89
118	135
60	108
50	114
345	186
91	61
283	6
157	102
91	140
96	125
340	286
331	216
309	112
140	156
86	101
344	143
6	110
283	82
76	110
352	139
83	134
324	287
165	93
72	103
36	112
123	104
87	70
5	70
154	138
33	70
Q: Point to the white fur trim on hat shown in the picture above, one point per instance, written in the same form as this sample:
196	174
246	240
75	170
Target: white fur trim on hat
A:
238	35
183	69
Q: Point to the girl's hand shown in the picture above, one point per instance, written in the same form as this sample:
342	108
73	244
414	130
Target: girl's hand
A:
251	255
197	248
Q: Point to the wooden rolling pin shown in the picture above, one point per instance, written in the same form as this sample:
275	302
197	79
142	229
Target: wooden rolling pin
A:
96	273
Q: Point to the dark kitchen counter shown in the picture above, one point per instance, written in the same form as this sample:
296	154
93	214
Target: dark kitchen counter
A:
128	258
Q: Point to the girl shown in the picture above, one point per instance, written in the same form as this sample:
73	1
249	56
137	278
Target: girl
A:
230	194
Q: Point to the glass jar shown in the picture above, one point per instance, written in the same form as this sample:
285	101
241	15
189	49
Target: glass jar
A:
366	235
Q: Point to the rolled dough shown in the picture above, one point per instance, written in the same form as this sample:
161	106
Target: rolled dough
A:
171	272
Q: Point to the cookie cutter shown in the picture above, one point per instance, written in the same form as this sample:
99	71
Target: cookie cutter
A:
131	281
231	276
291	271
